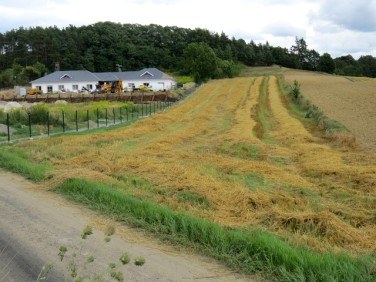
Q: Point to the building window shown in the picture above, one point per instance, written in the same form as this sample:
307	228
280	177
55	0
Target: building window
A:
49	88
89	86
146	84
38	87
131	85
75	87
61	88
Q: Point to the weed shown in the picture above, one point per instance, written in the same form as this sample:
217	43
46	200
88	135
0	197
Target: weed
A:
139	261
109	231
90	259
62	250
88	230
124	258
118	276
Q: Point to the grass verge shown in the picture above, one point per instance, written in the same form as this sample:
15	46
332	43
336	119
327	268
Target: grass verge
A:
254	252
17	163
334	131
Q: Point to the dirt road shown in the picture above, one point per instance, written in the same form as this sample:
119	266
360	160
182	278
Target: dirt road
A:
35	223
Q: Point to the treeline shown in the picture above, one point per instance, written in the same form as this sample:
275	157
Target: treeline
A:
28	53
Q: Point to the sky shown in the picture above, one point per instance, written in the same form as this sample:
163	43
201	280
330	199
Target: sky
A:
328	26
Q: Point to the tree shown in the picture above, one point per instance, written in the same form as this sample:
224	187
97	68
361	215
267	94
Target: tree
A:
326	63
368	65
300	50
200	61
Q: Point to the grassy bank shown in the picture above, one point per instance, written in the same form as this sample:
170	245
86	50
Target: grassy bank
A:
250	253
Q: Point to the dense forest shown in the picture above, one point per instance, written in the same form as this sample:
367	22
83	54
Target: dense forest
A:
28	53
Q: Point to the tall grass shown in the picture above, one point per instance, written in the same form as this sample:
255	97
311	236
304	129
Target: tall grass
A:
253	252
15	162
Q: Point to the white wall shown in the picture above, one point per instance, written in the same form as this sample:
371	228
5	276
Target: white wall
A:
155	84
68	86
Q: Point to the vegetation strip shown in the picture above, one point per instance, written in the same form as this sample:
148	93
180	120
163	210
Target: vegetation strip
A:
255	252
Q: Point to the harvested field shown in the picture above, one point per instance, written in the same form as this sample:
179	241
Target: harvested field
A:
232	153
349	100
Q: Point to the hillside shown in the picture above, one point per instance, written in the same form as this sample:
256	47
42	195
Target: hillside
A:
275	196
349	100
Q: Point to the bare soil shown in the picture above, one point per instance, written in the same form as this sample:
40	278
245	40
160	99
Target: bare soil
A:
38	222
349	100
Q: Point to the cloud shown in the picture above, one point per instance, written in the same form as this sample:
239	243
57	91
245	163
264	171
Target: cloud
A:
284	29
356	15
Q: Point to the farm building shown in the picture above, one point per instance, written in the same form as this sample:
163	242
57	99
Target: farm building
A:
76	80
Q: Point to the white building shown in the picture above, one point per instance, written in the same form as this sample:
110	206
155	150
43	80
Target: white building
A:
75	81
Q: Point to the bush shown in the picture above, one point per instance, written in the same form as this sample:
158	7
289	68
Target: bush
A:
3	116
295	91
39	114
18	116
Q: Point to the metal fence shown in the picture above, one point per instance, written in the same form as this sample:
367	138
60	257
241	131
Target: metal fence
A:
15	126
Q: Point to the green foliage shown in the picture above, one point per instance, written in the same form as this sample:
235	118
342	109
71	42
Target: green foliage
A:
18	163
62	250
295	91
18	116
88	230
39	114
124	258
193	199
139	261
326	63
249	252
3	116
200	61
118	276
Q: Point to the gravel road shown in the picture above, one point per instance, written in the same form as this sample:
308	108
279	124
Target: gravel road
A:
34	223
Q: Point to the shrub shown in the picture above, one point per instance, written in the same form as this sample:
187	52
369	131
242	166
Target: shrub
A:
39	114
18	116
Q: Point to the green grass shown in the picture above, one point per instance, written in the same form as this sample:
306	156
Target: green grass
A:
264	113
193	199
256	252
18	163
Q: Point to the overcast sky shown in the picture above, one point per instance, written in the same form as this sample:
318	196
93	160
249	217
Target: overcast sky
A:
338	27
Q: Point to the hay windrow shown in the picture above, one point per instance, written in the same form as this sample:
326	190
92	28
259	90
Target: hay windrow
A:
295	185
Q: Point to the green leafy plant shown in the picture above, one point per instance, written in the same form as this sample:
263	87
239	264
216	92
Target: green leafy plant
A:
124	258
139	261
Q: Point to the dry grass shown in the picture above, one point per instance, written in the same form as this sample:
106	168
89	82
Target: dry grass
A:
349	100
294	184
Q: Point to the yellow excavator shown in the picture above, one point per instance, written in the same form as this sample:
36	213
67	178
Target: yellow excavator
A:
115	86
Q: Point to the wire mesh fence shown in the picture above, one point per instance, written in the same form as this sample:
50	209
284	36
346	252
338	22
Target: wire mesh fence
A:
39	121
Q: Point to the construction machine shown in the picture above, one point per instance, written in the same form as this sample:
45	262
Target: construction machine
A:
115	86
34	91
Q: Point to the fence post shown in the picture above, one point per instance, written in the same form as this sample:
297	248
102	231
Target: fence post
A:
126	111
87	118
29	125
97	118
154	107
63	114
8	125
76	122
121	117
48	123
113	112
142	110
106	117
149	109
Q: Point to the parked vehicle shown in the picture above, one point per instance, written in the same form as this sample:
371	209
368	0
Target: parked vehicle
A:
34	91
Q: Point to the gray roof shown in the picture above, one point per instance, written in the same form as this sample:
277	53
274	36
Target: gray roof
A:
67	76
85	75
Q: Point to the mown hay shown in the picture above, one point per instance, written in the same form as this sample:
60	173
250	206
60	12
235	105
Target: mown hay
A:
294	184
